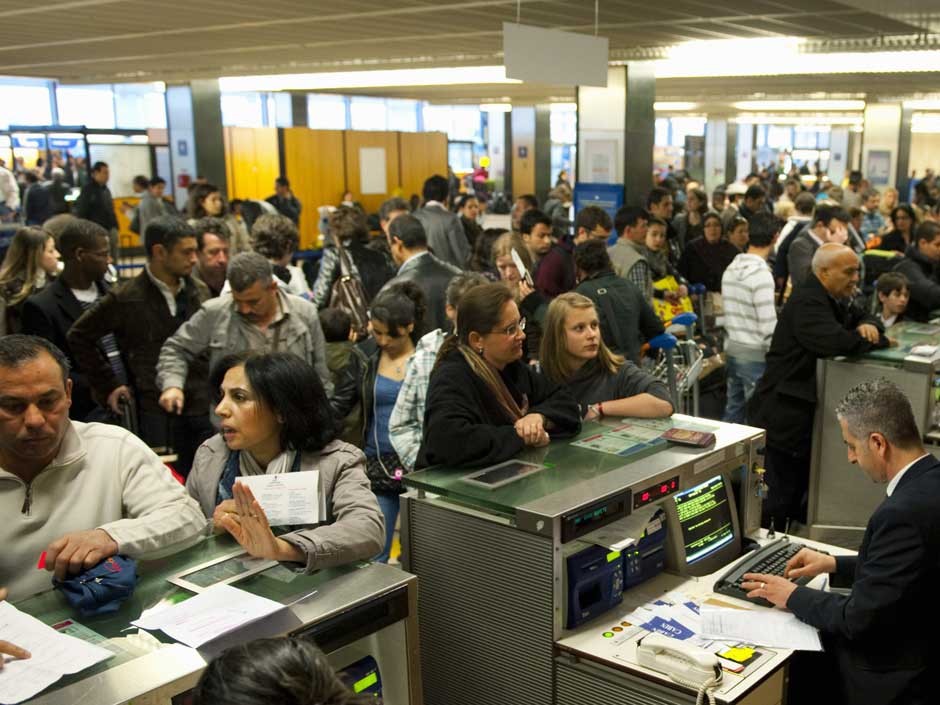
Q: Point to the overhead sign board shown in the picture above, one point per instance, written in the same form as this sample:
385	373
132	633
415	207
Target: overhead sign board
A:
551	56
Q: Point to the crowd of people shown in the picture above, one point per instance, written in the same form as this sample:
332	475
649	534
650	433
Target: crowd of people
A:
436	341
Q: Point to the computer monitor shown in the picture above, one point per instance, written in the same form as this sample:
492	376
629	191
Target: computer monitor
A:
702	528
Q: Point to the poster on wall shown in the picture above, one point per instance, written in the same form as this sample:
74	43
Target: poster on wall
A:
601	159
878	167
372	171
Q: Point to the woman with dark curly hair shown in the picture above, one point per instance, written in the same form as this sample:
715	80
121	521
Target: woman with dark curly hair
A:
283	671
370	383
275	418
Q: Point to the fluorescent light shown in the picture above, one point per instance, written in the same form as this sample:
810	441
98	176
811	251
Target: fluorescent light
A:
562	107
800	105
807	120
925	123
668	106
782	56
461	75
924	104
496	107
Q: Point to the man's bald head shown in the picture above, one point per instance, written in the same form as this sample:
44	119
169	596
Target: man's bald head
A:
837	268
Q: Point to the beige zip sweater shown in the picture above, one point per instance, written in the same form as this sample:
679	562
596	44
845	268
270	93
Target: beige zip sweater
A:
102	478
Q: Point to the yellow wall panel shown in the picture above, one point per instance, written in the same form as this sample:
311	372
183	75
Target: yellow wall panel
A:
315	166
423	154
251	161
356	140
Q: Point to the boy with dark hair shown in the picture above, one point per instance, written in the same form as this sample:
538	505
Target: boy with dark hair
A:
338	333
894	292
536	230
556	273
747	288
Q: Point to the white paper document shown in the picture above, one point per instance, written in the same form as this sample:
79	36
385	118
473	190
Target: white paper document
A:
217	611
53	655
761	627
287	498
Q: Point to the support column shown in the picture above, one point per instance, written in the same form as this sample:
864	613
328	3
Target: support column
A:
298	104
182	139
207	124
744	151
880	143
838	154
544	179
716	154
497	149
904	153
616	131
523	150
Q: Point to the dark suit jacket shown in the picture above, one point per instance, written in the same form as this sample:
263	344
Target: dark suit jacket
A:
811	325
884	634
433	276
50	314
137	314
925	288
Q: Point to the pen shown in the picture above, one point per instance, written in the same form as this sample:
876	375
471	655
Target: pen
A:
41	565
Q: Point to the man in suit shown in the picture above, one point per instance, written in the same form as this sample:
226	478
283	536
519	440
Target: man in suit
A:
819	320
829	224
882	635
94	203
142	313
408	243
445	233
52	312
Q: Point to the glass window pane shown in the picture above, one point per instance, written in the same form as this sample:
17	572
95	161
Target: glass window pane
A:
780	137
91	106
242	110
326	112
564	124
661	138
402	115
460	122
139	106
683	127
24	105
367	113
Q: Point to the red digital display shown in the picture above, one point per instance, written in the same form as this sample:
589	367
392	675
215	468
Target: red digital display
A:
656	492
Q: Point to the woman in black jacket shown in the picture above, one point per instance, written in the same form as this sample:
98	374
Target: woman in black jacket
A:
372	379
484	404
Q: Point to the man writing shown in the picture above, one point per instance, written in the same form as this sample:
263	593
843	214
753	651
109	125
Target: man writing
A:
882	635
78	492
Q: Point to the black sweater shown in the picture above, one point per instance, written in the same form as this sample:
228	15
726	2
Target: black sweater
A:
464	424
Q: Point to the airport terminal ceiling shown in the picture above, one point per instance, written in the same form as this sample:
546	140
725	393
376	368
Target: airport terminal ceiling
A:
100	41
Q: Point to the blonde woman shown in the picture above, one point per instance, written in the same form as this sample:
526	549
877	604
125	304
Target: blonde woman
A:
30	263
604	384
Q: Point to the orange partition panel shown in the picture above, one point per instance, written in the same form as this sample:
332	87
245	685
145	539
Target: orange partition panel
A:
315	165
423	154
251	161
373	146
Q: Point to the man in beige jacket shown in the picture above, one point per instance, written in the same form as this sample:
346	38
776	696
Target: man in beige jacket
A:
78	492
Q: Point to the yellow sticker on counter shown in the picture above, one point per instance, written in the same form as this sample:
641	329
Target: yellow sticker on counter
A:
737	654
612	556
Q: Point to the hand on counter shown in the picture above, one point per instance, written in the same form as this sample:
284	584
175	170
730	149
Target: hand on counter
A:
248	525
78	551
772	588
869	332
531	429
6	648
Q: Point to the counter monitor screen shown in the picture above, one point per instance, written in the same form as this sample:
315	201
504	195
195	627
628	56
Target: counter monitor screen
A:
703	527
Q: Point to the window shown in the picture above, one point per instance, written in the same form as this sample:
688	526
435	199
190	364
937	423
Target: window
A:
779	137
661	132
683	127
326	112
91	106
242	110
564	124
367	113
402	115
139	106
24	105
460	122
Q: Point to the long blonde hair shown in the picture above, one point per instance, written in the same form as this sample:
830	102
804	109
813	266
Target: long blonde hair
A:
557	363
22	265
503	247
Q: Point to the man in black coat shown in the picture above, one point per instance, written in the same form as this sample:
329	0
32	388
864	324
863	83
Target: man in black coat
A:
817	321
919	265
95	203
408	243
51	313
882	636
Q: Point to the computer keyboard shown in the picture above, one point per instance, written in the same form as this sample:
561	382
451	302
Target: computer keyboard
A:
770	559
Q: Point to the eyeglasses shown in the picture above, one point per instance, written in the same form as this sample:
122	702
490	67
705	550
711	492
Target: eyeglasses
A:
513	329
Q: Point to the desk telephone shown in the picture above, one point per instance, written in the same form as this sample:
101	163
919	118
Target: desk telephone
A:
687	665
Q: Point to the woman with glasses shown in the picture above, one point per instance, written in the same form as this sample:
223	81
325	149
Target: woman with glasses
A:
903	222
371	382
603	383
485	404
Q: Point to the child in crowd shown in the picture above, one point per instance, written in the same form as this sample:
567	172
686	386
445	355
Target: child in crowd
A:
893	294
738	233
337	330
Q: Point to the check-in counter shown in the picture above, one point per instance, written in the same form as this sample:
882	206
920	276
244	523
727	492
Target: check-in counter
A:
496	582
840	505
363	616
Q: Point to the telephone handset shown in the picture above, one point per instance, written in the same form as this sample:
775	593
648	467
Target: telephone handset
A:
686	664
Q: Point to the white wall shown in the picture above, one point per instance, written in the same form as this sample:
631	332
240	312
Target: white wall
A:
925	152
882	131
716	149
601	126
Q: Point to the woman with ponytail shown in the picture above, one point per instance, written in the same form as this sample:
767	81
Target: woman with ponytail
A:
370	384
484	404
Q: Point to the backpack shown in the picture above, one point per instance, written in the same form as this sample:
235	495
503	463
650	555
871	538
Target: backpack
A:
349	295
